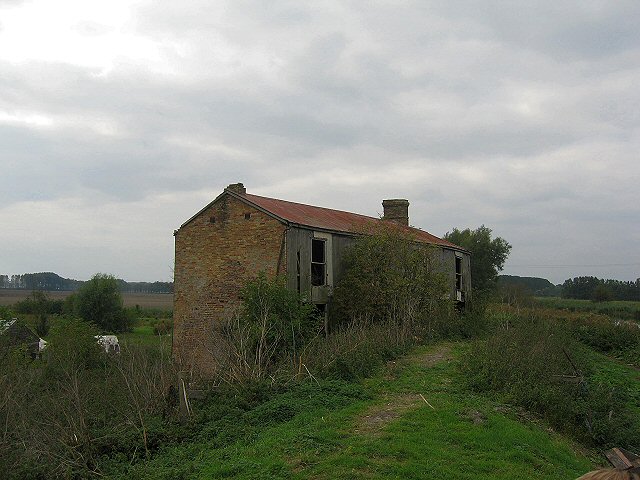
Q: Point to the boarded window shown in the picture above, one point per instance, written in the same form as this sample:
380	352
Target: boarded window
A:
458	273
318	262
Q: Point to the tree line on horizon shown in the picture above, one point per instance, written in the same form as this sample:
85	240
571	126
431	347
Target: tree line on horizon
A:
50	281
594	288
580	288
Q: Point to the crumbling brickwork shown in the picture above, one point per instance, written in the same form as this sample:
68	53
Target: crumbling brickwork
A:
216	253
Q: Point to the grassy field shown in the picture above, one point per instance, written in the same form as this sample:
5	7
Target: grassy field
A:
615	309
412	421
144	300
143	335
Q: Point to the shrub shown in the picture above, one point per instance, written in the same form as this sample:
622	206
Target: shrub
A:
390	277
272	324
163	326
516	295
63	415
534	363
616	338
39	303
99	301
5	313
72	346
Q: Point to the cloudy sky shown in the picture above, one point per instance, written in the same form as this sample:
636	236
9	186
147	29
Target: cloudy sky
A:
120	119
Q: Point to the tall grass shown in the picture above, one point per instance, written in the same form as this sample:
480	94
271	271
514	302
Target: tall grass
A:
62	415
537	363
624	310
616	338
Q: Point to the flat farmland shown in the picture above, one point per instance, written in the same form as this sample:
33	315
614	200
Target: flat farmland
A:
145	300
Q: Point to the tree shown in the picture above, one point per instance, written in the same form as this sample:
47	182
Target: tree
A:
99	301
389	277
487	255
601	293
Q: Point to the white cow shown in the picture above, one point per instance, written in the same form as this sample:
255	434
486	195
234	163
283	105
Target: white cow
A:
109	343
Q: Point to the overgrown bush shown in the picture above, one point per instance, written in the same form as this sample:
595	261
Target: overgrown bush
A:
39	302
389	277
535	363
163	326
355	351
515	295
616	338
619	339
273	324
622	310
99	301
63	414
41	306
6	313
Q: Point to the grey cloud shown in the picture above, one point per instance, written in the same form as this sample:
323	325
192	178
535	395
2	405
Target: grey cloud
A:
394	99
566	30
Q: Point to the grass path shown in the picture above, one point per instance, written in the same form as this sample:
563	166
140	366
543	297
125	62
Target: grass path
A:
412	421
454	436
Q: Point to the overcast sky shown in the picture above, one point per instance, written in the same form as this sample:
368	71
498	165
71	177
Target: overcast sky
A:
119	120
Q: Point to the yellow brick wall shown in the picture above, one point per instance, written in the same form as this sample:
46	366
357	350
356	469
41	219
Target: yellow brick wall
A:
212	263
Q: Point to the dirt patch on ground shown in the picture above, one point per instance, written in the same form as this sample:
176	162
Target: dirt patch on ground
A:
376	417
440	354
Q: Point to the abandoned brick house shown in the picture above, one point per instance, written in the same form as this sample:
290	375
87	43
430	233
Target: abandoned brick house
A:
238	235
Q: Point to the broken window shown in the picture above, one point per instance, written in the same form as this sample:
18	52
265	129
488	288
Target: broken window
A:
318	262
458	273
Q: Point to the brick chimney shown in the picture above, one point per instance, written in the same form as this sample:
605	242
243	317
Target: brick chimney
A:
237	188
396	210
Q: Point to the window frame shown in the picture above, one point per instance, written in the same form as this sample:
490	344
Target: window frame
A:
316	263
459	274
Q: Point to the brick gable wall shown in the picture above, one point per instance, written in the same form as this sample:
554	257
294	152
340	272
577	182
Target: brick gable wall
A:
213	261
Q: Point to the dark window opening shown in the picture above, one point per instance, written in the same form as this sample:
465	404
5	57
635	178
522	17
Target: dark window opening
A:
318	262
321	308
458	273
212	220
247	216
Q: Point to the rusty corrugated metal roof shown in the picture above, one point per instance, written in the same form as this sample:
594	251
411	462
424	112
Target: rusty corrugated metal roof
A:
329	219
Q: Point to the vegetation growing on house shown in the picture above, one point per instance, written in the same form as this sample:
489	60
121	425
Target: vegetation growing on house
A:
272	327
393	279
294	403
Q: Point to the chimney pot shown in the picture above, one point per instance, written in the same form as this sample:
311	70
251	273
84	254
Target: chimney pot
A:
237	188
396	210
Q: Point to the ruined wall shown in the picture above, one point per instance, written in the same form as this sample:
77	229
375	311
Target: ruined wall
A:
215	254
